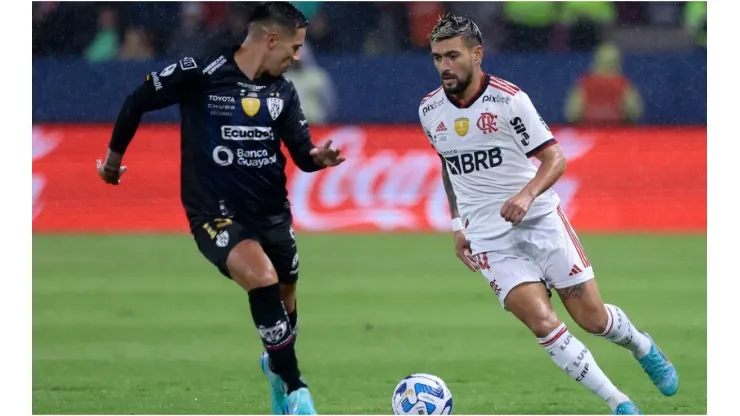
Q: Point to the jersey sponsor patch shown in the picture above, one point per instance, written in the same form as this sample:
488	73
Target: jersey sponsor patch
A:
474	161
240	133
155	80
168	71
213	66
188	63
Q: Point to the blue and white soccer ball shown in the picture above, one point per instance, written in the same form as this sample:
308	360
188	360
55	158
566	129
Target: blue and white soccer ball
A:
422	394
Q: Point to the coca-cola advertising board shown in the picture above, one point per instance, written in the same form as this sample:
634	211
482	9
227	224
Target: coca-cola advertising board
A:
640	179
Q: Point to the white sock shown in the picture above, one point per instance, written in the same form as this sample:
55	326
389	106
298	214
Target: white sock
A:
620	331
571	356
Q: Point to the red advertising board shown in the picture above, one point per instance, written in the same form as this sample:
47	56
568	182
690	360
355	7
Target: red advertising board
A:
618	180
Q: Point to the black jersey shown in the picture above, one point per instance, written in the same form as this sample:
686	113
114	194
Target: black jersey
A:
231	130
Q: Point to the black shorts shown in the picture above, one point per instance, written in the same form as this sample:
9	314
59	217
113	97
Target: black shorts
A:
217	237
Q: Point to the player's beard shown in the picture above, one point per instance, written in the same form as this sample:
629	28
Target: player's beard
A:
460	86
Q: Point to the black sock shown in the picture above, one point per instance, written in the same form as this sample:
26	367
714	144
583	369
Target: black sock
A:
276	332
293	318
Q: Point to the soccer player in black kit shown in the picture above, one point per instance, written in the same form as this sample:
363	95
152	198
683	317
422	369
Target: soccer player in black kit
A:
236	108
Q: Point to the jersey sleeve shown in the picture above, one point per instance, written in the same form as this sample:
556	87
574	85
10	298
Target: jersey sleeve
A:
160	89
529	130
172	84
293	130
425	129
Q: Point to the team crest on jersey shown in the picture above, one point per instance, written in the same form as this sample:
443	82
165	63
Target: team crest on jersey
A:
462	125
251	106
275	105
487	123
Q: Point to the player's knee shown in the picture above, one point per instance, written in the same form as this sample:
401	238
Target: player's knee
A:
541	326
592	320
251	279
263	279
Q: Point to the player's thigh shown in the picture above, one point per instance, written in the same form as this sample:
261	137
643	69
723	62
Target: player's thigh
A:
236	252
281	248
554	245
584	304
518	285
568	270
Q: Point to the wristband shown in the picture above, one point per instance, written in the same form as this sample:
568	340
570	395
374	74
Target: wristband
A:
457	224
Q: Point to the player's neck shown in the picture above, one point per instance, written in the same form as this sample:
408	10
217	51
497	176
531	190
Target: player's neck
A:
473	88
249	60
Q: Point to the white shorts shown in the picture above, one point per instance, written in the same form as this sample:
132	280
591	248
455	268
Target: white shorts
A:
542	249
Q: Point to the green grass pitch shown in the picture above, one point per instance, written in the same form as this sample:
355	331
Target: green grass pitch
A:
144	324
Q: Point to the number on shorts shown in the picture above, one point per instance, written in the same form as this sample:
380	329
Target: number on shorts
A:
482	260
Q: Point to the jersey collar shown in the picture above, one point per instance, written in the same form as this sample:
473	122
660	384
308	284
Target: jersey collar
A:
231	59
474	98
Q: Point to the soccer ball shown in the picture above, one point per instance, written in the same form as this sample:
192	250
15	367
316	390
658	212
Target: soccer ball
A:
422	394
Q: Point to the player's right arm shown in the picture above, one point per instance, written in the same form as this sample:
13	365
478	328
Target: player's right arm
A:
451	199
462	245
159	90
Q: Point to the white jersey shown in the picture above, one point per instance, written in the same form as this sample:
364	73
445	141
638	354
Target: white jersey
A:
487	145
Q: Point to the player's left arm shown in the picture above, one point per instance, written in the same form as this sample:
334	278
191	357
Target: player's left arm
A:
162	89
294	132
534	139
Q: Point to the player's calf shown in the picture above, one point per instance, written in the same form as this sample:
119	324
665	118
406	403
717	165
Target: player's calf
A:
287	294
573	358
250	267
530	303
653	361
274	328
584	304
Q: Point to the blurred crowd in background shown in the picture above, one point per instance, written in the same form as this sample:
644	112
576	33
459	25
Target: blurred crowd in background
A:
121	32
143	30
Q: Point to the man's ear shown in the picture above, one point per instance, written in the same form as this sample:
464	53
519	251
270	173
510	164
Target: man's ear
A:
272	40
478	54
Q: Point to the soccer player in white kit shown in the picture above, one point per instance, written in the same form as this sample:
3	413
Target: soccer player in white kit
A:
507	221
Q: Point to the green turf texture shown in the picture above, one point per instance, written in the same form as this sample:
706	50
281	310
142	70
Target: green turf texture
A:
145	325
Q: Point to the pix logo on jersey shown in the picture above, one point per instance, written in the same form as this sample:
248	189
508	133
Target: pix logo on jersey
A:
462	125
251	106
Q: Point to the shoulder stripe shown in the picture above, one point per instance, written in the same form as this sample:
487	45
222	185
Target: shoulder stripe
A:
430	95
505	82
504	86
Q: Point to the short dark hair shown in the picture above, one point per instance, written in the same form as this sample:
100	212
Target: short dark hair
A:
450	26
282	13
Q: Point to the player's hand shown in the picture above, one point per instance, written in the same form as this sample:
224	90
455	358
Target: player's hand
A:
462	249
111	170
516	208
327	155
